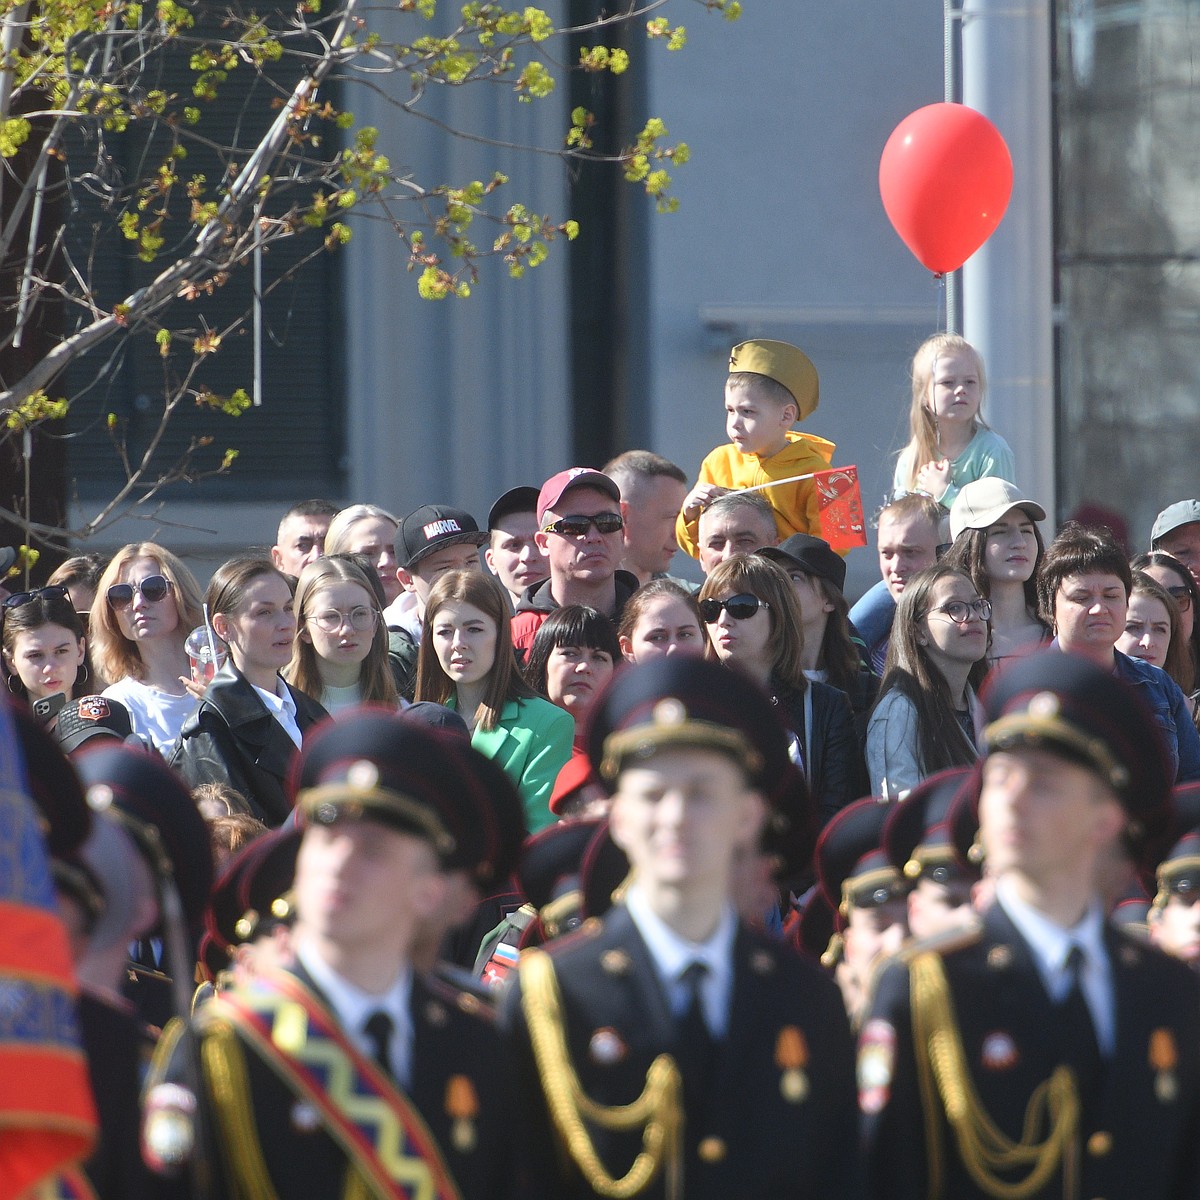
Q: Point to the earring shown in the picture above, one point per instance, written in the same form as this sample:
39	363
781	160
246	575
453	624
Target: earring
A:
86	674
14	679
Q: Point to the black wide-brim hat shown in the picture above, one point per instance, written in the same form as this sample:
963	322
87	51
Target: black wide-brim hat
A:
812	555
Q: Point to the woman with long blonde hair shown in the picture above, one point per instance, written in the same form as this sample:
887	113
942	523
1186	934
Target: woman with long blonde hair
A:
147	602
340	656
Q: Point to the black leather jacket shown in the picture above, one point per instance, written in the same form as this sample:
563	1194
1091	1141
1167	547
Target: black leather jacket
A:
836	772
233	738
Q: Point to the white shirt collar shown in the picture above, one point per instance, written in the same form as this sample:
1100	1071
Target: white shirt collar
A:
1050	944
282	706
672	954
1048	940
352	1006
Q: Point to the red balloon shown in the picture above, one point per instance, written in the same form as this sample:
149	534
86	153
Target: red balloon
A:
945	177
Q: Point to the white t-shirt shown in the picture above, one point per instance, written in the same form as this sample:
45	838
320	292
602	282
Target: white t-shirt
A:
154	714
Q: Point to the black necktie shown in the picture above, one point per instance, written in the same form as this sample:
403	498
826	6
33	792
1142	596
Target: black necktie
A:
696	1049
379	1029
1081	1048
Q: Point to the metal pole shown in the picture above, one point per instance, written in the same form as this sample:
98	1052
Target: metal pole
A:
1008	283
951	64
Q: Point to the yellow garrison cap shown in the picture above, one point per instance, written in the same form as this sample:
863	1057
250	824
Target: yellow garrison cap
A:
785	364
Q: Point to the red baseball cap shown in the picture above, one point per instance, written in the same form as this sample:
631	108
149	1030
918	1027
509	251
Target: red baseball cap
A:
558	485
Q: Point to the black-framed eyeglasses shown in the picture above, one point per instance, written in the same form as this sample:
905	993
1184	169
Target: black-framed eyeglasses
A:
1183	596
740	607
152	589
960	611
360	619
577	526
53	591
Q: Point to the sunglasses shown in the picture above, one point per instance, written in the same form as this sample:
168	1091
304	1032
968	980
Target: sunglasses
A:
1183	597
152	589
55	591
741	607
959	611
608	522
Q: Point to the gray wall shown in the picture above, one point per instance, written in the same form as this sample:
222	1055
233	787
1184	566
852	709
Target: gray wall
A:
782	233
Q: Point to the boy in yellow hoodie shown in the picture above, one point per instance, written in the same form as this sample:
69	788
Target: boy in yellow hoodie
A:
771	386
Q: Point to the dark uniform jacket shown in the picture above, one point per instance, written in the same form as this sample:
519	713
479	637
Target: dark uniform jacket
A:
118	1049
746	1140
452	1035
1140	1136
233	738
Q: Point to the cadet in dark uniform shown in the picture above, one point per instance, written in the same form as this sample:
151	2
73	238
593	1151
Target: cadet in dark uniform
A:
918	841
152	806
868	895
1042	1053
668	1050
351	1074
1173	919
97	889
250	912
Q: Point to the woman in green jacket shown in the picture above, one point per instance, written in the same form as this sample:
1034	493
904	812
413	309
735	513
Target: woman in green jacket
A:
466	662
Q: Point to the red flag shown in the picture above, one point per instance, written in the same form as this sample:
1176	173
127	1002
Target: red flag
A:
841	510
47	1119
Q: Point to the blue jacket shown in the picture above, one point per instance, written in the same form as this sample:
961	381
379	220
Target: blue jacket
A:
1171	709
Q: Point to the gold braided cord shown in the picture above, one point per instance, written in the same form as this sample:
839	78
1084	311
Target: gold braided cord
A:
984	1148
225	1071
658	1109
164	1051
356	1187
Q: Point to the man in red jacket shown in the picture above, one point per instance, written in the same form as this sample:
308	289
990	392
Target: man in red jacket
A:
579	531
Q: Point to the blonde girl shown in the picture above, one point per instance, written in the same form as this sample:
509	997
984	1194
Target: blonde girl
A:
370	530
950	443
340	656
